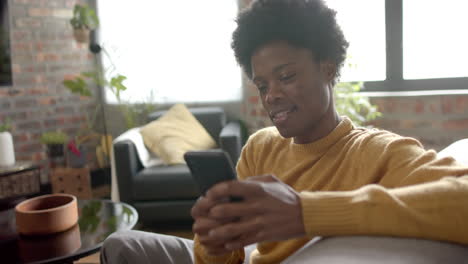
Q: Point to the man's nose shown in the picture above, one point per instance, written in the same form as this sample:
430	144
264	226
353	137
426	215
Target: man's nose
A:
274	93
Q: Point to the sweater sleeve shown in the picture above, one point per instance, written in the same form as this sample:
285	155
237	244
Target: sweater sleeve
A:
417	195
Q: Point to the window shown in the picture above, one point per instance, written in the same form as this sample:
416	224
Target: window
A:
435	39
5	54
400	45
366	52
178	51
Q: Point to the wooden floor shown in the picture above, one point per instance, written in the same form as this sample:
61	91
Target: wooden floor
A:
93	259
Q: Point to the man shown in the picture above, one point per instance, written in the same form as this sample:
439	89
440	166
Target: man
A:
314	173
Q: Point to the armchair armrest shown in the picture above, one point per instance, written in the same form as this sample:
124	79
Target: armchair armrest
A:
230	140
126	167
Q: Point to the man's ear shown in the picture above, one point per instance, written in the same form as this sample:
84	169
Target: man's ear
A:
328	70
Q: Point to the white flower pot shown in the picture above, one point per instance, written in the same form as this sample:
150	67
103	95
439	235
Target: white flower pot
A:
7	152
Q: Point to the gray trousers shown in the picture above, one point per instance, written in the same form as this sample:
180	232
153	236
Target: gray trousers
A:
143	247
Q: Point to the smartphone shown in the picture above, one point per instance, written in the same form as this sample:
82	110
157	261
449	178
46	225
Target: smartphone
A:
210	167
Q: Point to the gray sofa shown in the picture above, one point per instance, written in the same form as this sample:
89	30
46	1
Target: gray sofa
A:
167	193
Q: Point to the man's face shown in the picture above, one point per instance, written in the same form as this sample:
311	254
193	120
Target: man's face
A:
294	88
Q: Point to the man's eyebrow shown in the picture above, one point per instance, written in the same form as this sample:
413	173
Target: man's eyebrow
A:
275	69
281	66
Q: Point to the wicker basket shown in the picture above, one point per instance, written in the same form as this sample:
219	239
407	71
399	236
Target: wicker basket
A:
21	183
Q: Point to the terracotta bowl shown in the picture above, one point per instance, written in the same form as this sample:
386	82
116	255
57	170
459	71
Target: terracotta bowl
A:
46	214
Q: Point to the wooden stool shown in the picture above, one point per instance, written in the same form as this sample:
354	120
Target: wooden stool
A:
75	181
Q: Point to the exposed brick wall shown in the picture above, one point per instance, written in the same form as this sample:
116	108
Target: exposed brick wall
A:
436	120
44	52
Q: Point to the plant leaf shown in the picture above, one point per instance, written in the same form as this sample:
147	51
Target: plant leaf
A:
78	86
116	82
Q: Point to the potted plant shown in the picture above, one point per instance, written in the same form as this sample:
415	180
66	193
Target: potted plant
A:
83	21
55	142
79	85
7	152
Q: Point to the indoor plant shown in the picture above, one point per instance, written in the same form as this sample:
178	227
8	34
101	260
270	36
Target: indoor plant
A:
7	151
83	21
80	86
351	103
55	141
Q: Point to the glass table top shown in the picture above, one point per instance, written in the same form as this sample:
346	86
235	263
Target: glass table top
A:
97	220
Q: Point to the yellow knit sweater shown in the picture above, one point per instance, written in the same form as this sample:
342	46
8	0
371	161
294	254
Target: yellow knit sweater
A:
357	181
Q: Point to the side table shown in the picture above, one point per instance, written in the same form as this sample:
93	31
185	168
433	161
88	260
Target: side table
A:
21	179
97	220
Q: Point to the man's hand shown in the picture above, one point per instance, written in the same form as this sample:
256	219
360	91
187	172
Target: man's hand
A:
203	224
270	211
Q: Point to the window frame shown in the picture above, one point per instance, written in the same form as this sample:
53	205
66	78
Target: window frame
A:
394	60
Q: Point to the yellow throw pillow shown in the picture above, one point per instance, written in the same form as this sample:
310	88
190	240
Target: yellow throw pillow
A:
175	133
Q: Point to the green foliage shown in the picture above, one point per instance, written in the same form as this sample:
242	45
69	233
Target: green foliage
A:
351	103
89	220
99	80
78	86
84	17
81	84
117	86
54	137
6	126
136	114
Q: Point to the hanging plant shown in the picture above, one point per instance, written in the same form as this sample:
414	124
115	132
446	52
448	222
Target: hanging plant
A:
83	21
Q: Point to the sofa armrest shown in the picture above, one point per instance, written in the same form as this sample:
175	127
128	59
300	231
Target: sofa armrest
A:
458	150
230	140
127	166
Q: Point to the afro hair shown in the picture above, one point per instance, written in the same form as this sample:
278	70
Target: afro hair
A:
306	24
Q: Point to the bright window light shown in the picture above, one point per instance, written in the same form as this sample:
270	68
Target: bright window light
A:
435	39
176	51
363	24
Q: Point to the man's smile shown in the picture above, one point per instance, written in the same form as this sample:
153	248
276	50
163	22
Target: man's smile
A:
279	116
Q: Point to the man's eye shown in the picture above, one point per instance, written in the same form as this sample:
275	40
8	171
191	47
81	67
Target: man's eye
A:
287	77
262	88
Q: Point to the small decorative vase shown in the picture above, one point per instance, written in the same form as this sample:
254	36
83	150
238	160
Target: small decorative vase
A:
7	151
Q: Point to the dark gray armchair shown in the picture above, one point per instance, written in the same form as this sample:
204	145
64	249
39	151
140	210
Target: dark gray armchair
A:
167	193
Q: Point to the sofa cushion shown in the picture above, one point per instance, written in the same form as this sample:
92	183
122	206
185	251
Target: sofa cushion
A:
212	118
164	183
175	133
